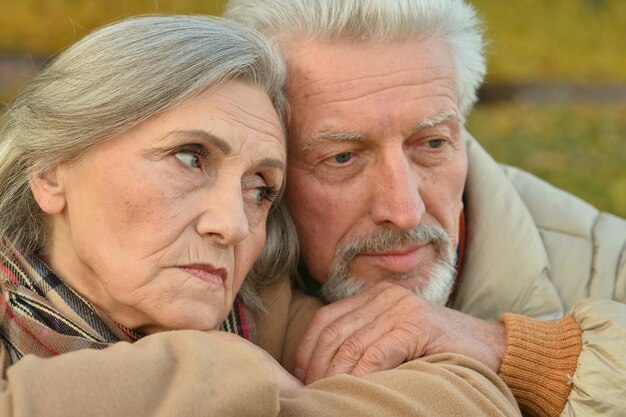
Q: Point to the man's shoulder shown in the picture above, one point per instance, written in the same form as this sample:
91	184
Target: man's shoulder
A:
552	208
540	228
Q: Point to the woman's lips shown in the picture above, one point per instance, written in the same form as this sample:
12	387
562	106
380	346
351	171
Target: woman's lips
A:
207	273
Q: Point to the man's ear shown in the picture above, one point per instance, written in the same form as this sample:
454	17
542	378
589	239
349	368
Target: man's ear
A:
48	189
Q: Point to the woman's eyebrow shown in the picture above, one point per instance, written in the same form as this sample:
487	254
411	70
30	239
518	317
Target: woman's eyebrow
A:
222	145
204	136
272	163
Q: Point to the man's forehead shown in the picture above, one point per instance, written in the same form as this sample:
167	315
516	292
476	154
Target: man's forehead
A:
311	60
357	91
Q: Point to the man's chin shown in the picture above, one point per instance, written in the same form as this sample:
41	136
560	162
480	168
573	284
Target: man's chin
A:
439	286
435	288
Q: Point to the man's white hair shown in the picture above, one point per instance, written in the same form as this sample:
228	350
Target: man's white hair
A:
377	20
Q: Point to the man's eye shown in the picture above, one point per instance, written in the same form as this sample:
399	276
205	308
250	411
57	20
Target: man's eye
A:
435	143
343	157
189	159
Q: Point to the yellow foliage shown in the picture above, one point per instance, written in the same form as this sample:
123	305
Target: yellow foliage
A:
44	27
572	40
558	40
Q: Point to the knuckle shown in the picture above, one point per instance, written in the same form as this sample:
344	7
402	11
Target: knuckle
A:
323	315
385	288
409	340
351	351
384	285
392	291
374	358
329	335
410	300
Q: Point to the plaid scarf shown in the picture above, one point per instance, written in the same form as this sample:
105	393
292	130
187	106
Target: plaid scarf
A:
41	315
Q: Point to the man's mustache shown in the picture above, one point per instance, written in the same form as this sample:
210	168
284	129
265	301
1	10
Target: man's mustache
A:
385	240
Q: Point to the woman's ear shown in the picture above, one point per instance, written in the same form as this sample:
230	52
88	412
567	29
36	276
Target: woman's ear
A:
49	190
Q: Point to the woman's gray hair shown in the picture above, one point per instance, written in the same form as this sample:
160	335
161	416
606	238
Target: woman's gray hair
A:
377	20
115	78
278	259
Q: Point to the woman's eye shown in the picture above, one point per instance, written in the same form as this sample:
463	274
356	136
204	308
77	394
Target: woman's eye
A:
435	143
264	193
343	157
189	159
259	193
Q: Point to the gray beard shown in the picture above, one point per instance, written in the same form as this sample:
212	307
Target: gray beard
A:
439	285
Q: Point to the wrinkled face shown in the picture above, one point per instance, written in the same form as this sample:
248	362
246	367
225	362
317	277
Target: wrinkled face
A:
161	224
377	160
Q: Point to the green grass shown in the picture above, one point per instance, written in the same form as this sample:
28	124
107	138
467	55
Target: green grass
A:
581	149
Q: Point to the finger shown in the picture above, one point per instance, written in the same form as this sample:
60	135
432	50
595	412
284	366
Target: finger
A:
337	344
338	347
386	353
322	319
351	351
391	325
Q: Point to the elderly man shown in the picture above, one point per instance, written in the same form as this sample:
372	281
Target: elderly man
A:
386	187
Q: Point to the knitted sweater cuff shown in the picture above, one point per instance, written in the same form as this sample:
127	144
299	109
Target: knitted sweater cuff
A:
540	359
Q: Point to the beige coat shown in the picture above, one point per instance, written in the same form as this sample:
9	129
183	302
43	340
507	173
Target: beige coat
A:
535	250
190	373
539	251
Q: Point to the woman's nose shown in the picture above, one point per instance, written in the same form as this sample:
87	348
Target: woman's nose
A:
224	216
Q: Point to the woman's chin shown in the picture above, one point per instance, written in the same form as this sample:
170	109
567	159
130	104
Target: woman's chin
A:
201	319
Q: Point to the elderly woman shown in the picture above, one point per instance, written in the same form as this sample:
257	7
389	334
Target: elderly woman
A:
137	172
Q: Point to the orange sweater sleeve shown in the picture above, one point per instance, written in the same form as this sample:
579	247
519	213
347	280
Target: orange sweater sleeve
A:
540	359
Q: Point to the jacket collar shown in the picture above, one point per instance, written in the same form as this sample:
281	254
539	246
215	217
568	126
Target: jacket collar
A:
506	267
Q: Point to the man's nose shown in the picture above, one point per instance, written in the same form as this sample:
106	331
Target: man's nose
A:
396	200
224	216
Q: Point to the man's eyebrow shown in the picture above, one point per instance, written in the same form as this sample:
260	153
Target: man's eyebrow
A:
436	119
327	135
341	136
205	136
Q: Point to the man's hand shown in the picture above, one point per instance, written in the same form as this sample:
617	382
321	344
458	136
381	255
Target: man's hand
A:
387	325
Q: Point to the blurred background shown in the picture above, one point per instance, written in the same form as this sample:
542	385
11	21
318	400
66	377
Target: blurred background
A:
554	102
